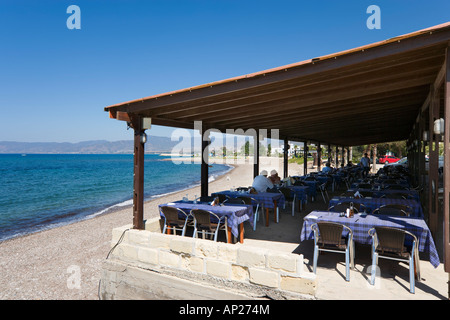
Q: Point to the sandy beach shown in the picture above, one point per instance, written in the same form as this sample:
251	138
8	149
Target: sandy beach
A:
46	265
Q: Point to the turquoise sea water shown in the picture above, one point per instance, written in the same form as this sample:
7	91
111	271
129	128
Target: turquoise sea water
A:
40	191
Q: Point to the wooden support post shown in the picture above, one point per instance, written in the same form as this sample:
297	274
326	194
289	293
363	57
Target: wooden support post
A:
433	176
256	156
447	166
204	164
285	158
338	165
138	178
305	158
319	157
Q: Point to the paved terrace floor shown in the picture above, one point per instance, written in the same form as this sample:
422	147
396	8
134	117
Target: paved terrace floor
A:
393	282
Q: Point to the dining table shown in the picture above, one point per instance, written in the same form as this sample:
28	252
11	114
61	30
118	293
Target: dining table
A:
360	224
413	194
372	203
266	200
236	214
301	194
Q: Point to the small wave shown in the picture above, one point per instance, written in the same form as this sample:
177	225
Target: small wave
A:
73	217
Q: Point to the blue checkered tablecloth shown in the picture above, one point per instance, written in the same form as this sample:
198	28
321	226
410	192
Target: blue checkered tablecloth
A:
413	194
374	203
235	213
265	199
301	192
360	225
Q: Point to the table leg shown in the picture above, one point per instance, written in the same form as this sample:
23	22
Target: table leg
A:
267	217
275	207
241	233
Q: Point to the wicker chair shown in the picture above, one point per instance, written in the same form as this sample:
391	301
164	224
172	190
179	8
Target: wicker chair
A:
172	220
208	199
389	243
342	207
328	237
394	210
396	195
323	190
396	187
287	195
252	201
364	186
233	201
208	222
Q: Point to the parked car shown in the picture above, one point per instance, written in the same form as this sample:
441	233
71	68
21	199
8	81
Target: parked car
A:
402	162
388	159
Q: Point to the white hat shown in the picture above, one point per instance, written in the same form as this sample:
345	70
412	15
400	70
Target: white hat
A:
263	173
273	172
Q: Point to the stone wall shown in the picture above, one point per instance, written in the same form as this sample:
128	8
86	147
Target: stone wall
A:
249	271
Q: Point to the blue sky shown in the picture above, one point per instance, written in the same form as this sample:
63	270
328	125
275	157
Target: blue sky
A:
55	82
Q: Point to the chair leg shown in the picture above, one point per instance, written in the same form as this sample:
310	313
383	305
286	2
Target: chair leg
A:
374	268
347	264
316	256
411	274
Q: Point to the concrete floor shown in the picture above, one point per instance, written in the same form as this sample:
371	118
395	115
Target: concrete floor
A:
393	282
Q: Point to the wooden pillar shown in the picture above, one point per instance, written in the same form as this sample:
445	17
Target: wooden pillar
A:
374	159
447	166
285	158
305	158
338	165
433	176
319	156
256	156
138	177
204	163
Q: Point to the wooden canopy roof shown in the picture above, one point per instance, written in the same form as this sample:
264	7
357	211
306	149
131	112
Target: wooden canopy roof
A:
370	94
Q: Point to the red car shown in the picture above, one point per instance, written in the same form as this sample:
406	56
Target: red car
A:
388	159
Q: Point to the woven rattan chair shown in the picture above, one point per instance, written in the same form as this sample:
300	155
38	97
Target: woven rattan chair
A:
323	190
208	199
366	194
396	187
252	201
175	219
288	197
208	223
342	207
364	186
394	210
233	201
389	243
396	195
328	237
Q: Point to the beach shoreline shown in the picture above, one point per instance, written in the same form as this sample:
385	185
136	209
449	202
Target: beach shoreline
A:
44	265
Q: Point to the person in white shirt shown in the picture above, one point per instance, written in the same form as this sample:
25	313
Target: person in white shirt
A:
261	182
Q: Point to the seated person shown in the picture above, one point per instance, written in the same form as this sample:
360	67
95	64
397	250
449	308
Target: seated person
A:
274	178
327	168
261	182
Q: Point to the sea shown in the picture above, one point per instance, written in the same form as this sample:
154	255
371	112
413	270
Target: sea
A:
43	191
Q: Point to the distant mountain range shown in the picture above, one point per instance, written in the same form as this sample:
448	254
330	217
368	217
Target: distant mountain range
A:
154	144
